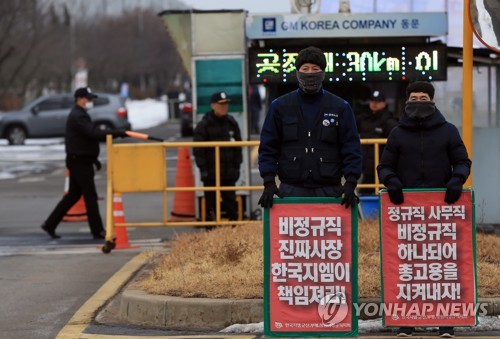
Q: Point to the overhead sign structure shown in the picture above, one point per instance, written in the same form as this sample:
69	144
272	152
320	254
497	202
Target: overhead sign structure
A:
362	25
348	63
310	268
428	260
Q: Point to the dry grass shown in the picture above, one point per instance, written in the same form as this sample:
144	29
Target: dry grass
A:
368	259
227	262
488	265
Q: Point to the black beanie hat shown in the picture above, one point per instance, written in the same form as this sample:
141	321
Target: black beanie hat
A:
312	55
420	86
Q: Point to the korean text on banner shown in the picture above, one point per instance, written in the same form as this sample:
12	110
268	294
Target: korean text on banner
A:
428	260
311	268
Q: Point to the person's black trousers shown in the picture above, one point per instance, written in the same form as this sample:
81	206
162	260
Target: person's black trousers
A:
81	182
228	205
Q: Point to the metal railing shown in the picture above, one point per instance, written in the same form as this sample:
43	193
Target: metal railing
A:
376	145
142	167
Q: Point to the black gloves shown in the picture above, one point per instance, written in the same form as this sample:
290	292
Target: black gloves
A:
119	133
350	198
395	190
453	190
270	189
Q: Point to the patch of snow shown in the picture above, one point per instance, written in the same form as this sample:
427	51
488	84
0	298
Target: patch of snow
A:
245	328
487	323
146	113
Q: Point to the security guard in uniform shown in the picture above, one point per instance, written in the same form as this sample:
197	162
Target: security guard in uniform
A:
310	140
218	125
378	122
82	149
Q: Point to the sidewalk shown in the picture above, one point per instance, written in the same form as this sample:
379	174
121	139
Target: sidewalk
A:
107	315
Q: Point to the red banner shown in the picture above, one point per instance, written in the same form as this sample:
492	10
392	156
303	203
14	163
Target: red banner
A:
311	273
428	264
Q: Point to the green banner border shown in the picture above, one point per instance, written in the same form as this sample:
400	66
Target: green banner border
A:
267	269
473	229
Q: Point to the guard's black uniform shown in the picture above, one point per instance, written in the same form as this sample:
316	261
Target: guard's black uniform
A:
373	125
82	150
213	128
310	141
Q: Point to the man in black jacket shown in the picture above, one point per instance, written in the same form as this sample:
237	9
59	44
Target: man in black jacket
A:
82	149
218	125
376	123
310	140
424	151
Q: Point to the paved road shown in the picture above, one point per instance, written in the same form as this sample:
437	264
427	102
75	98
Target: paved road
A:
43	282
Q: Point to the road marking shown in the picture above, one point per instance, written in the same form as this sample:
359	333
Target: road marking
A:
82	318
57	248
31	179
191	336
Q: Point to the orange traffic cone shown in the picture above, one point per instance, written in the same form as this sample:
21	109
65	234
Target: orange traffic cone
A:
184	209
121	241
78	212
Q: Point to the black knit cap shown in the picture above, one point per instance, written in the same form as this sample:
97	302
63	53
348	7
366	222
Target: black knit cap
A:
420	86
312	55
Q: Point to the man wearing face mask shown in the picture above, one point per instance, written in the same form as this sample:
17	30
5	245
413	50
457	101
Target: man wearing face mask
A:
423	151
310	140
82	149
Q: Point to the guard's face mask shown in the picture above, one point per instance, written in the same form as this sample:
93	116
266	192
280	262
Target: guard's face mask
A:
419	109
89	105
310	82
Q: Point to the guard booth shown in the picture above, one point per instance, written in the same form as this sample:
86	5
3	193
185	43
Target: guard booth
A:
364	52
212	48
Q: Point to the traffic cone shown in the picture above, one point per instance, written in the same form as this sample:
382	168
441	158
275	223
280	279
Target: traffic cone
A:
121	236
184	209
78	212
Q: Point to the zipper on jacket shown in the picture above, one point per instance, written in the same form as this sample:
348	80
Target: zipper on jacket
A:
422	172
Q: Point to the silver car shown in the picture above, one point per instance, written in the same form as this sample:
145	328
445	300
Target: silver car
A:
46	116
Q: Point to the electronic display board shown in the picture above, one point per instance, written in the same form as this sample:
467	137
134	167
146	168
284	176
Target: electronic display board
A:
348	63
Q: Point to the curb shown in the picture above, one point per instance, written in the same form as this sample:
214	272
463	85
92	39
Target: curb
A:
140	308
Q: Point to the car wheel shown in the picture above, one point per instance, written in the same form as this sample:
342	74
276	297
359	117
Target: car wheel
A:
16	135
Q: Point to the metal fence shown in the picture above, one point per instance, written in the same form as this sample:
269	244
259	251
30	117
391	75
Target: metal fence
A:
142	167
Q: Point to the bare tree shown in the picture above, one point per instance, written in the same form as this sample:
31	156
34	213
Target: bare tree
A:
134	48
39	44
30	50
